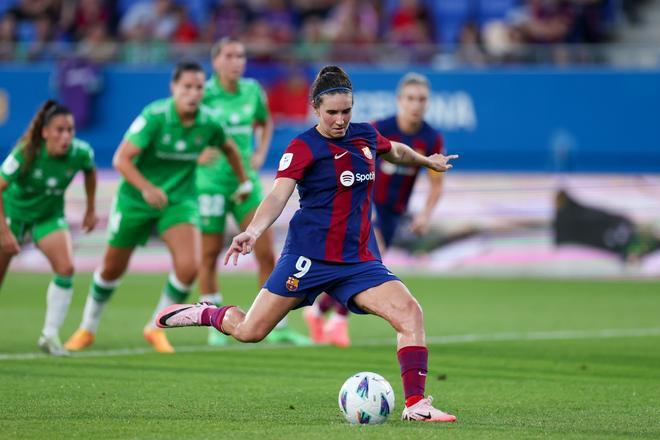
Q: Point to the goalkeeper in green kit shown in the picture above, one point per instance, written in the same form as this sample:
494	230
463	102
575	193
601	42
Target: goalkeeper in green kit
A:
242	108
157	160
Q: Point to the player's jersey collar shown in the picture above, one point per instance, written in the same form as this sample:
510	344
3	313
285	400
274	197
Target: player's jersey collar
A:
172	117
336	139
220	90
43	152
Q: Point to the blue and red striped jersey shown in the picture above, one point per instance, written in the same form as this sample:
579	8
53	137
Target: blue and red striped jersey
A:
394	183
335	180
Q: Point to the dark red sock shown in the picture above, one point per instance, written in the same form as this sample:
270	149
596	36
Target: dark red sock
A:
340	309
414	361
326	302
213	316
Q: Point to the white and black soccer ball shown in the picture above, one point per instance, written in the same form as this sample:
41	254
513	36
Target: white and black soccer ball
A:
366	398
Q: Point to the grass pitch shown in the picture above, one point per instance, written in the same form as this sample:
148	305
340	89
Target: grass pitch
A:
511	358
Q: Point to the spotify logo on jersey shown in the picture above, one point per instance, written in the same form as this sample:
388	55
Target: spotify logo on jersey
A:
347	178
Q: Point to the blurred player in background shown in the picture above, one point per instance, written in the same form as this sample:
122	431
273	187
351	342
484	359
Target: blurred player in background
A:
394	185
157	160
33	179
330	245
243	112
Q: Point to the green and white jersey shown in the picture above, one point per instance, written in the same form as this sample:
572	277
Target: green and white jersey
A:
170	150
238	113
38	192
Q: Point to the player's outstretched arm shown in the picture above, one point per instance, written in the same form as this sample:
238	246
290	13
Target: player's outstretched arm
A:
267	212
404	155
123	162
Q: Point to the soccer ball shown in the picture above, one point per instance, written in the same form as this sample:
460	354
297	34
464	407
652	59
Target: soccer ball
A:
366	398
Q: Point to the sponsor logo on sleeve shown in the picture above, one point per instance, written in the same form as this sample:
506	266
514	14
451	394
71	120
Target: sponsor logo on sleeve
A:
285	161
10	165
137	125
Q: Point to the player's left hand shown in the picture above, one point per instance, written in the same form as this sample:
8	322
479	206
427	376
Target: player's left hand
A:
242	192
208	155
420	224
89	221
257	160
440	163
243	244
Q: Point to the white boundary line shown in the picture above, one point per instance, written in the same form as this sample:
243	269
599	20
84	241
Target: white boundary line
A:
434	340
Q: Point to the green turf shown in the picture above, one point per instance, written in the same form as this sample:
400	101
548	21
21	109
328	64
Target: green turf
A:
572	388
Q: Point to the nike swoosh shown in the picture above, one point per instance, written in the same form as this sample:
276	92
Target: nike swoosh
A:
337	156
424	416
421	374
163	319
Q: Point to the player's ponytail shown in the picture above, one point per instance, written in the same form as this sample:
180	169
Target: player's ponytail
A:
31	140
330	80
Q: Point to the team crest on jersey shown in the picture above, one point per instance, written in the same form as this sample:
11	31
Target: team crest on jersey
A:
292	283
367	153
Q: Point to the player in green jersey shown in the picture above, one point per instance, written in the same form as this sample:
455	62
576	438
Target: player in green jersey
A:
33	180
157	160
242	107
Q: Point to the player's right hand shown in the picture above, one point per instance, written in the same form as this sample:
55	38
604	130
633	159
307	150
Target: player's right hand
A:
440	163
243	243
9	244
155	197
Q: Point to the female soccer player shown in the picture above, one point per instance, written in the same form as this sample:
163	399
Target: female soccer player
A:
330	245
394	185
33	180
157	160
243	111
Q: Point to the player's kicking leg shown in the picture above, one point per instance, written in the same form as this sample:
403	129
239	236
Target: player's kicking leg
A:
266	311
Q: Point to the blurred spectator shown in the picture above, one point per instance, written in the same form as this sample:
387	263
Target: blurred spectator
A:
97	45
588	26
229	19
410	24
89	14
547	21
8	37
312	44
29	10
469	46
149	20
42	44
280	19
312	8
352	27
288	98
186	31
259	41
502	42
